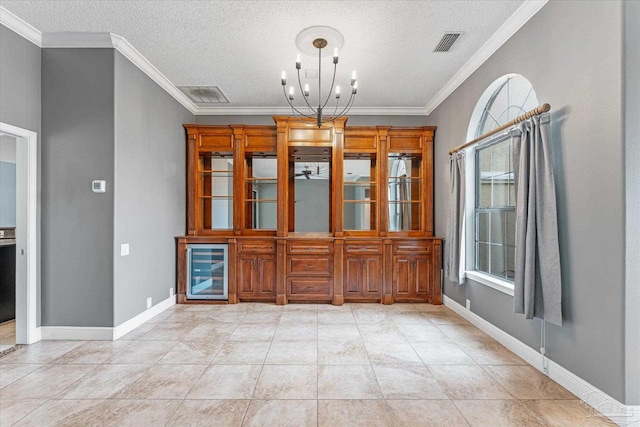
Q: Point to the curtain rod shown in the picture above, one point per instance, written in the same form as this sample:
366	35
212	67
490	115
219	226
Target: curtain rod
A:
538	110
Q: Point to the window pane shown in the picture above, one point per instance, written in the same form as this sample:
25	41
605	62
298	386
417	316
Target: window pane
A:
511	228
482	226
500	186
511	261
500	157
497	261
497	227
484	177
482	257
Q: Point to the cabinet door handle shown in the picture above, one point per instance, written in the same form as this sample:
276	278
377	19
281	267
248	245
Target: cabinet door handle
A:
259	263
255	264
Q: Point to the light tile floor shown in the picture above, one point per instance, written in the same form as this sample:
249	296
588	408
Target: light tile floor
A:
297	365
7	335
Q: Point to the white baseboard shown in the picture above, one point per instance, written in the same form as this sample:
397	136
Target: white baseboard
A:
36	335
621	414
77	333
83	333
131	324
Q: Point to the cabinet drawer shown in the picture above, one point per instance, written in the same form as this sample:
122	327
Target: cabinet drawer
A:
257	247
316	265
412	247
310	248
362	247
311	286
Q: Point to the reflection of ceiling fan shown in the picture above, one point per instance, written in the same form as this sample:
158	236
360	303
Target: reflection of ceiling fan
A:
317	170
306	172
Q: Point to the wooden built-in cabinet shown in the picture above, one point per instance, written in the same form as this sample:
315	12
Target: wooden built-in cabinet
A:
315	214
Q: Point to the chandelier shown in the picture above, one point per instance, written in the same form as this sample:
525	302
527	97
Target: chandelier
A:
308	109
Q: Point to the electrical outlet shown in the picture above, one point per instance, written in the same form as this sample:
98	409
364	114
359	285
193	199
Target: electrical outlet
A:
149	302
171	292
124	249
468	305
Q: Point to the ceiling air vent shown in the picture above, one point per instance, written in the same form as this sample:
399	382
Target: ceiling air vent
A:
204	95
447	41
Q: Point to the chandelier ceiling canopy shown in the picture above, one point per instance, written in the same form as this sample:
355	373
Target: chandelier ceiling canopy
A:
319	41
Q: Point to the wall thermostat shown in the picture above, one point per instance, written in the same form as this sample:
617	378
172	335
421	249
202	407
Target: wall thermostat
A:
99	186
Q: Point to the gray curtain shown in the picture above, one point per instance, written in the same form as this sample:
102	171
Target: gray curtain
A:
455	216
538	288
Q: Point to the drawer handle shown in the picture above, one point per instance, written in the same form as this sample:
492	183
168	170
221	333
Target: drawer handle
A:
308	288
309	265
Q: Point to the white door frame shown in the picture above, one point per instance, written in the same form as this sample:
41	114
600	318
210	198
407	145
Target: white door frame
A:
27	331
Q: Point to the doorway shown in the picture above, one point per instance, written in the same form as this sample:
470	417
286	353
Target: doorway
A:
7	242
24	232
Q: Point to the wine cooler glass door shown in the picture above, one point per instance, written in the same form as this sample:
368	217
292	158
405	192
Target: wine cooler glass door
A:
207	272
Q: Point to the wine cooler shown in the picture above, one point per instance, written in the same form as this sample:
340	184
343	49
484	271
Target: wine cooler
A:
207	272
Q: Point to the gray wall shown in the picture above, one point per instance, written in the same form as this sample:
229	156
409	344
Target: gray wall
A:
150	189
20	102
7	181
19	81
632	167
555	50
353	120
77	147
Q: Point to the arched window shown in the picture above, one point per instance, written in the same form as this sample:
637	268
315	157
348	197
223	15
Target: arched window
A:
494	197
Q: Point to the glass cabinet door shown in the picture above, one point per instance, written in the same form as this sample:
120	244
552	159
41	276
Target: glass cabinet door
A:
261	191
207	271
216	190
405	192
359	192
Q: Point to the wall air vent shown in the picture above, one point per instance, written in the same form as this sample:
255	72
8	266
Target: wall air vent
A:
447	41
203	96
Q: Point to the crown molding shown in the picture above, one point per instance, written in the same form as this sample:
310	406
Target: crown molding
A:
266	111
20	27
520	17
132	54
62	40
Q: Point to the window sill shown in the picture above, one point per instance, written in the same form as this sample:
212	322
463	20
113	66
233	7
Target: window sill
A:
493	282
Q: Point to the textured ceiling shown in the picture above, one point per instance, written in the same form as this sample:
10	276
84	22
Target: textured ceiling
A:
242	46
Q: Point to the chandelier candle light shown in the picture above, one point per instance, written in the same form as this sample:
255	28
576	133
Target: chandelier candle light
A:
317	113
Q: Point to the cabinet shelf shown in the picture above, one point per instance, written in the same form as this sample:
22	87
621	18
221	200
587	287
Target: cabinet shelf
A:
360	183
